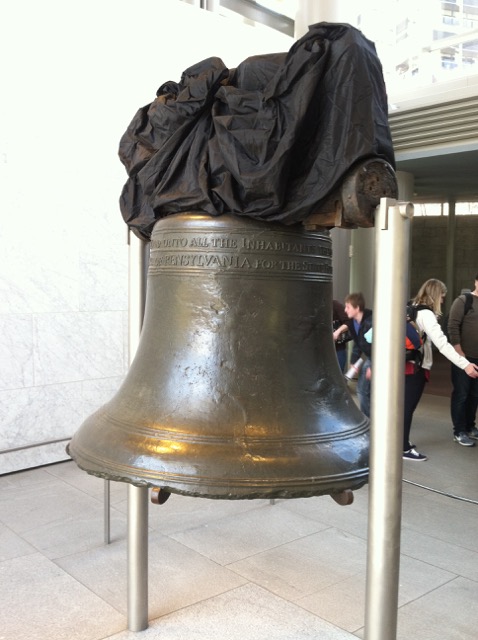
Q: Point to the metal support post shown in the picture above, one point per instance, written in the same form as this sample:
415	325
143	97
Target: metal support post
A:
136	301
106	506
388	380
137	558
137	496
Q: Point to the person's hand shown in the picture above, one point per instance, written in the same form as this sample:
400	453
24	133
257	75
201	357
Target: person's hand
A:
368	374
472	370
336	335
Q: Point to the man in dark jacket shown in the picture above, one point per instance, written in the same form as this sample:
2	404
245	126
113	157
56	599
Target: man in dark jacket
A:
359	322
463	332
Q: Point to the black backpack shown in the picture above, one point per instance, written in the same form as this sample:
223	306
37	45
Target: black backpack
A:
467	307
414	341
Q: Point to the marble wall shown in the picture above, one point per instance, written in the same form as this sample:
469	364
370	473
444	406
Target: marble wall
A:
76	75
63	350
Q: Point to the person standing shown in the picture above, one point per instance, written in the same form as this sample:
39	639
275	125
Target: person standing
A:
428	300
359	323
340	332
463	332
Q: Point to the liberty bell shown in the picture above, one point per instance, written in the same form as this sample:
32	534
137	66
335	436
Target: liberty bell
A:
235	391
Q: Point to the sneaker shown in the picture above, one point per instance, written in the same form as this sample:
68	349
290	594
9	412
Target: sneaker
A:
463	439
412	454
472	433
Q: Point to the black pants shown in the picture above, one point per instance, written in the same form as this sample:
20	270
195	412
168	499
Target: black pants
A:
464	399
414	387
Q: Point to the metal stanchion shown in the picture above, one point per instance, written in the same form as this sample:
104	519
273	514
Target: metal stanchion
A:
137	496
136	300
106	507
385	483
137	558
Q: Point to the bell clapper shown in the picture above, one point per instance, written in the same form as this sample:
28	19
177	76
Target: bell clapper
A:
159	496
344	498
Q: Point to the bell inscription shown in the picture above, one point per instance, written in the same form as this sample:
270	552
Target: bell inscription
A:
310	258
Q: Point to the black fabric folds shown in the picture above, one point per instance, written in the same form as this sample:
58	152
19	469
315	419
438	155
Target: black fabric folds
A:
270	139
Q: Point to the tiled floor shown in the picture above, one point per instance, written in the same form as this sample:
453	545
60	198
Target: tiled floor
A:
240	570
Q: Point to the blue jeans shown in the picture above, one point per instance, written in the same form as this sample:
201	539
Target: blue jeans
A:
364	389
464	399
342	358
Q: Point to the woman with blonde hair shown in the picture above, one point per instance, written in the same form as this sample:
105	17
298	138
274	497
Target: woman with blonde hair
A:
428	302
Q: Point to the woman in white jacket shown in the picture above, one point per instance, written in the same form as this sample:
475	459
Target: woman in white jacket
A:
429	300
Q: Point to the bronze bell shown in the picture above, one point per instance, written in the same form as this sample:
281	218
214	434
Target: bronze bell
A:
235	390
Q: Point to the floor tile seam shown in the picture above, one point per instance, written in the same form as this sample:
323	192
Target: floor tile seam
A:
27	526
197	551
350	509
410	556
79	552
9	493
321	617
295	604
274	547
334	583
186	547
355	534
113	504
24	532
325	525
229	516
321	524
437	539
229	565
35	550
55	465
214	519
425	594
403	605
344	530
179	532
73	483
253	555
98	503
434	565
60	521
201	601
16	557
11	530
39	470
121	543
452	576
20	556
89	589
399	607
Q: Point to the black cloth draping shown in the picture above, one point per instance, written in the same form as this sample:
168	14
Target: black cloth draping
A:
270	139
